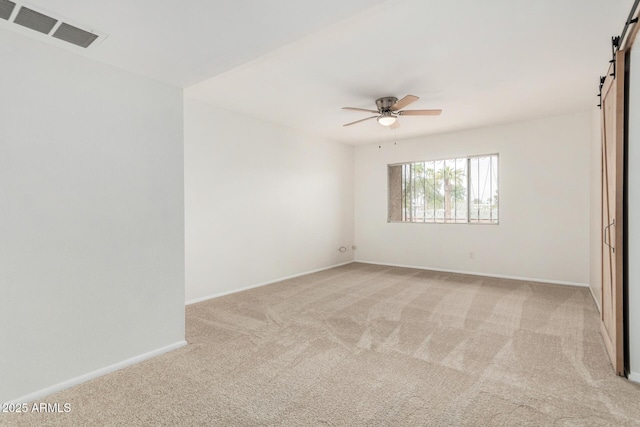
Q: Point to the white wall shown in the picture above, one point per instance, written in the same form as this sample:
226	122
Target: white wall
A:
262	202
634	212
91	216
544	211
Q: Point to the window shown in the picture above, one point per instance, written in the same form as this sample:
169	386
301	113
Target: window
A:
462	190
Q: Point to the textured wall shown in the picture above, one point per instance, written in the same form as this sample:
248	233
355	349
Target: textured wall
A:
262	201
634	212
544	203
91	216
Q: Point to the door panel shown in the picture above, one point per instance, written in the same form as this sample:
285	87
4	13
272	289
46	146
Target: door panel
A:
612	211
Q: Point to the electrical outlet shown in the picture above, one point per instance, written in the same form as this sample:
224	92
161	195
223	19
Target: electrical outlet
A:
472	255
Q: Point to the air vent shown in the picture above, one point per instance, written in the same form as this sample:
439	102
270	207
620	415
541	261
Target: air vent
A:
35	20
74	35
6	7
53	26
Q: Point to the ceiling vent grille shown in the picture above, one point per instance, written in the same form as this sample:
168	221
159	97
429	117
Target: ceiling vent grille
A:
46	23
6	8
35	20
74	35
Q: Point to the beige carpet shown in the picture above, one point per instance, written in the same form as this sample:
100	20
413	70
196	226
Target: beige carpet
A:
372	345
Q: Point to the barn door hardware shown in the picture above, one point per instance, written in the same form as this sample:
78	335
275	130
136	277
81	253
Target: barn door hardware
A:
602	79
617	41
615	46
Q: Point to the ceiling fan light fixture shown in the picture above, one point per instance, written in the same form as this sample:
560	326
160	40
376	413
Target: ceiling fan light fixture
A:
386	119
388	110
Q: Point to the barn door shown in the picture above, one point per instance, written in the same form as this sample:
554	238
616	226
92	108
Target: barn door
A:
613	93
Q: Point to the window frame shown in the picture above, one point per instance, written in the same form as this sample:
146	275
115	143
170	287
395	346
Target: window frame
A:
468	160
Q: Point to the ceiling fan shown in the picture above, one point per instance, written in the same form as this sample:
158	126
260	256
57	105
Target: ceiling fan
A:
389	108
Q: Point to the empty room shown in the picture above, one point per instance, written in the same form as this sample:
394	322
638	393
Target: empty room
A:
356	212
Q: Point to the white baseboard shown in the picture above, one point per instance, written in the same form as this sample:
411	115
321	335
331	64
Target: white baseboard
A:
595	300
95	374
474	273
634	376
246	288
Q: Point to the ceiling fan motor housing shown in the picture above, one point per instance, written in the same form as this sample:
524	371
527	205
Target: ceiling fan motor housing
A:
385	103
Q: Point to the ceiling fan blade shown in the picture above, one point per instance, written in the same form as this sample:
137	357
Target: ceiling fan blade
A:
396	125
419	113
362	120
360	109
404	102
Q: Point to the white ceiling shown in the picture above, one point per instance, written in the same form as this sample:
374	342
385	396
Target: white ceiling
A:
184	42
295	63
